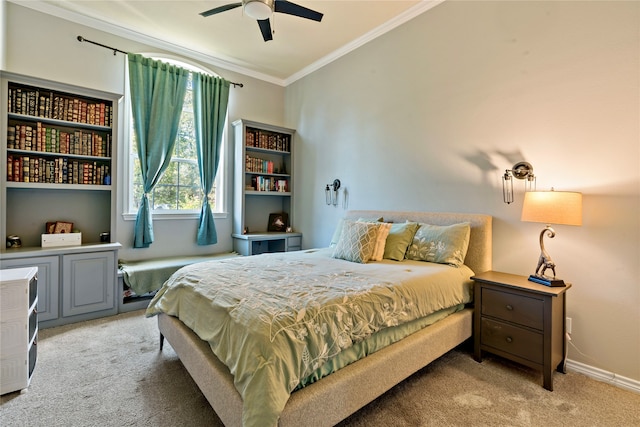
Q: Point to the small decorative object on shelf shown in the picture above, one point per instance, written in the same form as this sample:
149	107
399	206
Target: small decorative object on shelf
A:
13	242
278	222
62	227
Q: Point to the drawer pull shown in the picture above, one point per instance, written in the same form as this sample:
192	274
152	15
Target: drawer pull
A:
509	339
509	307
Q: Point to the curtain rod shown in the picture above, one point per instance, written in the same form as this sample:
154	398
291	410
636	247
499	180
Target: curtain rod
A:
82	39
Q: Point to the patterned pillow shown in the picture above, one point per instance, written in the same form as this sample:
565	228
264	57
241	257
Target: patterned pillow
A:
338	231
442	244
381	240
356	242
399	238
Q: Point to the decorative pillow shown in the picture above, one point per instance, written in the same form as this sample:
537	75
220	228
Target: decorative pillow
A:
381	240
442	244
338	230
400	236
356	242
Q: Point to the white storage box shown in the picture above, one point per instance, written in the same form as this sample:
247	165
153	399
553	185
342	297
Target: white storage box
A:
61	239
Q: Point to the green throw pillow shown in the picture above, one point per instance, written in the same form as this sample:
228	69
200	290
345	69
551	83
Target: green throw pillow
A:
399	238
356	242
442	244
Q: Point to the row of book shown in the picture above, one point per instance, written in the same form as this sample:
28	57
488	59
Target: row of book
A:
265	183
52	105
55	171
53	140
257	165
268	140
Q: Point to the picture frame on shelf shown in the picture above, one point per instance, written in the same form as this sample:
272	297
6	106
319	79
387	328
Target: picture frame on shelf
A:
63	227
278	222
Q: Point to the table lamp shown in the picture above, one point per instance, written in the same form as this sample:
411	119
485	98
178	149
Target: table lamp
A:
550	207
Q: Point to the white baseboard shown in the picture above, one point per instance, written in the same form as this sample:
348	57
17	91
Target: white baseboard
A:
604	376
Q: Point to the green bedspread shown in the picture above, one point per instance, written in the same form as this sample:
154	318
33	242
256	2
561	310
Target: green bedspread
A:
276	319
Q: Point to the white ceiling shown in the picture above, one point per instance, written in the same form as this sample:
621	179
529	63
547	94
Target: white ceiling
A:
233	40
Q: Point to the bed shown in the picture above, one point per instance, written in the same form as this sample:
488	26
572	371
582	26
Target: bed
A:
379	352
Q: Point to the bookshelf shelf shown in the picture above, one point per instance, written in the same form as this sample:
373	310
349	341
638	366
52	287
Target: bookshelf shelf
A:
263	185
267	193
51	154
51	186
57	122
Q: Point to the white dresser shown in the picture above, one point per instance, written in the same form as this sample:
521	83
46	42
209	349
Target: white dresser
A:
18	327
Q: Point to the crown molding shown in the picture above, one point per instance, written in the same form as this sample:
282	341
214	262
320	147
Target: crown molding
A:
407	15
228	64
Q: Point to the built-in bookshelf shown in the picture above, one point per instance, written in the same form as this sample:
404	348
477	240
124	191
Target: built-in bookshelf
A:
57	158
58	164
56	137
263	185
267	154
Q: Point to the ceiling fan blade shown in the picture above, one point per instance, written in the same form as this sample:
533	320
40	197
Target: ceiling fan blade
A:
265	29
289	8
221	9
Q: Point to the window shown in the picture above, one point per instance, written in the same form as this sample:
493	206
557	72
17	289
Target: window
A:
178	192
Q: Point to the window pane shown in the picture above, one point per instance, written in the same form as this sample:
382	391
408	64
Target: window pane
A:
170	175
190	197
165	197
189	174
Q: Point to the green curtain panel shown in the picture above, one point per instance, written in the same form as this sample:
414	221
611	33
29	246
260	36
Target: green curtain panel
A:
210	100
157	96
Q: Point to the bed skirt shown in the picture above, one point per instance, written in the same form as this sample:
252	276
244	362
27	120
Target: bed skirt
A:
335	397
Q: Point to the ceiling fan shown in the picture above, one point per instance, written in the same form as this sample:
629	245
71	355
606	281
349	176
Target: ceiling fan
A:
261	10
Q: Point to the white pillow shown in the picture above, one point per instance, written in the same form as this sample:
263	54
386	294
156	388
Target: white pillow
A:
381	240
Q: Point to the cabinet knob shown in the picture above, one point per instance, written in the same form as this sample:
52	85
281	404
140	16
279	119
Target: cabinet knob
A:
509	307
509	339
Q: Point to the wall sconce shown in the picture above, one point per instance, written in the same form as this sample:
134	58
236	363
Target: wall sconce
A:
331	193
521	170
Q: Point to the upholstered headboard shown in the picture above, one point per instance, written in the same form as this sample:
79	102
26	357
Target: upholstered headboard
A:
479	254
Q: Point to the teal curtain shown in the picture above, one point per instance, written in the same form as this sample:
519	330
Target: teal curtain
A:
210	100
157	96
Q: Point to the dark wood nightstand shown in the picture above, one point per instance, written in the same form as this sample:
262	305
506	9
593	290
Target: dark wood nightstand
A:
521	321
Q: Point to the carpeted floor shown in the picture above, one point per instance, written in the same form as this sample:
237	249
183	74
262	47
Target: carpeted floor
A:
109	372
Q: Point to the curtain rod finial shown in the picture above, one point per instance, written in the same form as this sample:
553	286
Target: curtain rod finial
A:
80	38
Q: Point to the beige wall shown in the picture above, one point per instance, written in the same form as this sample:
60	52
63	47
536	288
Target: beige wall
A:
428	117
44	46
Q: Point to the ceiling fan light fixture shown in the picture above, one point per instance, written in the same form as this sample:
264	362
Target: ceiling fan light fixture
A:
258	9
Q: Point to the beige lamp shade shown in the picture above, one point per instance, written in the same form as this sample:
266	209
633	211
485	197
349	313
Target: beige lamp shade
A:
552	207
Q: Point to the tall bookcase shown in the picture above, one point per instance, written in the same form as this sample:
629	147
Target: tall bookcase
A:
58	163
263	185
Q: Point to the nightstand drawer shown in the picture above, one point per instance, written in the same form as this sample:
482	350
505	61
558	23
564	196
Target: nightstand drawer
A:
513	340
523	310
